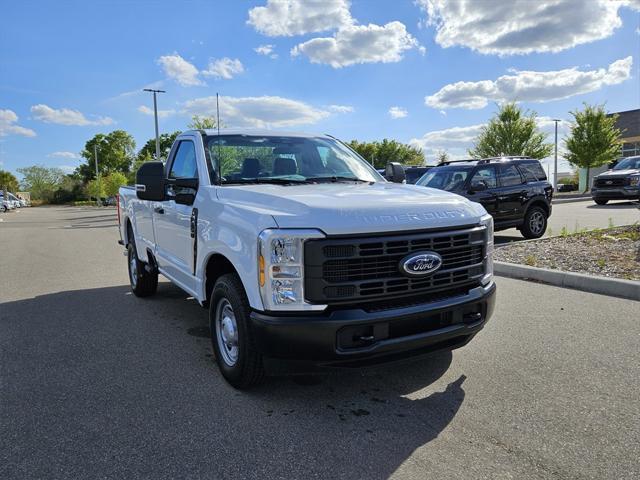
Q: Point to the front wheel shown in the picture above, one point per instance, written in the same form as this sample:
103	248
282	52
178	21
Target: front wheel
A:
143	283
535	223
236	355
600	201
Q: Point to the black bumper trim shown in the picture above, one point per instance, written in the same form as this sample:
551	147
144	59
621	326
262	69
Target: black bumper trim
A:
313	338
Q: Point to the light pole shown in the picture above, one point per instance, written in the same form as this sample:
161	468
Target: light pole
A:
95	157
155	114
555	158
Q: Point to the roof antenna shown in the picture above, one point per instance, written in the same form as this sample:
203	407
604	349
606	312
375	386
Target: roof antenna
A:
219	152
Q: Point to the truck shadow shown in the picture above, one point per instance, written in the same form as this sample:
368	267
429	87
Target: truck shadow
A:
103	356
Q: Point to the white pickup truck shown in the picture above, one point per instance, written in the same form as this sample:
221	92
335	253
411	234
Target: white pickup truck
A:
305	256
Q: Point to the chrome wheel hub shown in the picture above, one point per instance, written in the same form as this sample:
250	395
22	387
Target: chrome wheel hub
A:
227	332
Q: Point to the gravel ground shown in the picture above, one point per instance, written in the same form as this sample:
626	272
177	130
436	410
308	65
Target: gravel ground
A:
610	252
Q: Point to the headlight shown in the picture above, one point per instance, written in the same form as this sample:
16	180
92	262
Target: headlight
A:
487	221
634	181
281	269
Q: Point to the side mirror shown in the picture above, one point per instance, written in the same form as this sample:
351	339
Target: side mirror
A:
395	173
150	181
185	190
478	187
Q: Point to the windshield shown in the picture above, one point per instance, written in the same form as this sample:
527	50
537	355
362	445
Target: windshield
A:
628	163
445	178
285	160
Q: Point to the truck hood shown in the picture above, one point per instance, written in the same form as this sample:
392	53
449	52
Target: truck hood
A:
619	173
341	208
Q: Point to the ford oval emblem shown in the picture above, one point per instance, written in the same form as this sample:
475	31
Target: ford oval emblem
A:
422	263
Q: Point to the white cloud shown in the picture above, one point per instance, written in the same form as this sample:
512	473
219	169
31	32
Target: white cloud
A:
67	169
66	116
64	155
359	44
397	112
8	119
266	50
226	68
149	111
456	141
178	69
529	86
298	17
341	108
522	26
257	112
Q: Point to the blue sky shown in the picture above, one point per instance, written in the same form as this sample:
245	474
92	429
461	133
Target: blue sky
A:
427	71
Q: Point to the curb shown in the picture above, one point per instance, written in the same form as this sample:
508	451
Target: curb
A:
556	201
613	287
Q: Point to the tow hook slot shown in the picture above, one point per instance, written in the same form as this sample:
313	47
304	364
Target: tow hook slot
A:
472	317
361	336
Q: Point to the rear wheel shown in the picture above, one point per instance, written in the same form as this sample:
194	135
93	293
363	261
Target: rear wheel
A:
236	355
535	223
143	282
601	201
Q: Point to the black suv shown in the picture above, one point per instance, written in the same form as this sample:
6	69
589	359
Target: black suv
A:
622	182
514	190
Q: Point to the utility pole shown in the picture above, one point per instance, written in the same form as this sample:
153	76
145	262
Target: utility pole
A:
555	159
95	156
155	114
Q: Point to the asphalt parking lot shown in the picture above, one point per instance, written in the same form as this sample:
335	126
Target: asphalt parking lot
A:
96	383
575	216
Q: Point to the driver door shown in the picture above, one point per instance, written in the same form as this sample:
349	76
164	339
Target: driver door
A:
174	245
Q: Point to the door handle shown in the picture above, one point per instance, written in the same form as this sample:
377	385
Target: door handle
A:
159	210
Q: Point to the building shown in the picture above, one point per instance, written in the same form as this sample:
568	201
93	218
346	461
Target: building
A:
629	124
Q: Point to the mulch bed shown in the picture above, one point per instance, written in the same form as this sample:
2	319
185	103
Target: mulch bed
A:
608	252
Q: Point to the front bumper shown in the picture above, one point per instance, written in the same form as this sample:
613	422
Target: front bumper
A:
617	193
355	337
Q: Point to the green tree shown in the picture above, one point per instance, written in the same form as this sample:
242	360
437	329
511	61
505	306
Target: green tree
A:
511	131
381	153
148	151
95	188
115	154
442	156
203	123
8	181
70	189
41	181
113	182
594	139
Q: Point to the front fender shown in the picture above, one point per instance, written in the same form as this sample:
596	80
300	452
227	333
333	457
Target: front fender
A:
231	231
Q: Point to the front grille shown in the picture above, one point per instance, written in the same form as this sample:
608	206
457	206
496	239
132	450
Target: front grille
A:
349	270
612	182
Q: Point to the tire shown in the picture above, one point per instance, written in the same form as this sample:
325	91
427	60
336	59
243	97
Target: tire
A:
4	208
236	354
143	283
535	223
601	202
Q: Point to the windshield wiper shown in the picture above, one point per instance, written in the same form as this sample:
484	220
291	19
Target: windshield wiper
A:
275	181
337	178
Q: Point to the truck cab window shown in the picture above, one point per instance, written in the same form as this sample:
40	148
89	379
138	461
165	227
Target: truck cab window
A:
184	162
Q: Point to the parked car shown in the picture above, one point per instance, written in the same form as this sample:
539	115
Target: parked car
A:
7	203
412	173
567	187
514	190
304	255
622	182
